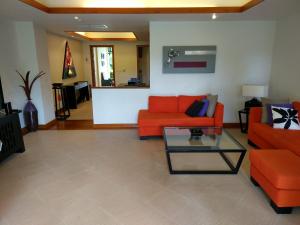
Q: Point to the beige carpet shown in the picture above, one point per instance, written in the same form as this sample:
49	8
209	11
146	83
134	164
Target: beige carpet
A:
109	177
83	112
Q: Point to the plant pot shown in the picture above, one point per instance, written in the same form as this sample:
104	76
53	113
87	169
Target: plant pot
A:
31	116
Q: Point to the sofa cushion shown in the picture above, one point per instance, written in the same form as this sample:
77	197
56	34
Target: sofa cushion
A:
204	108
278	138
213	99
194	109
285	118
163	104
184	101
147	118
269	111
265	102
280	167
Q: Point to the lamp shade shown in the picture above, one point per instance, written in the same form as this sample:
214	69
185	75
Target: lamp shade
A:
255	91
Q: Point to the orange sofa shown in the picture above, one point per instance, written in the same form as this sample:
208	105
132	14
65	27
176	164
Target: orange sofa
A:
276	166
166	111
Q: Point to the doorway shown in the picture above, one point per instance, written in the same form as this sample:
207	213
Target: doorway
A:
103	69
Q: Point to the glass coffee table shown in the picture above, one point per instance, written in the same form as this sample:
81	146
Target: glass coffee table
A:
213	140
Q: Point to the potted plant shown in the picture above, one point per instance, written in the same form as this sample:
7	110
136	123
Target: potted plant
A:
30	112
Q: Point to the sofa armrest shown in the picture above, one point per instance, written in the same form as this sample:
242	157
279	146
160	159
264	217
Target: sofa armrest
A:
255	115
219	115
141	114
296	106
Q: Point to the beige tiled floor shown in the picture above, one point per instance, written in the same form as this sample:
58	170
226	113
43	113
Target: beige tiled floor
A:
109	177
84	111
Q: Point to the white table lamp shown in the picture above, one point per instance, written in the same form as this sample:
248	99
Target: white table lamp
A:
254	91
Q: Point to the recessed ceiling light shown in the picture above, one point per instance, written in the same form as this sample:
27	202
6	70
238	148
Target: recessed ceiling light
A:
214	16
92	26
76	17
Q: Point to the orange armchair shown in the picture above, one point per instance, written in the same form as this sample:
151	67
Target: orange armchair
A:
275	167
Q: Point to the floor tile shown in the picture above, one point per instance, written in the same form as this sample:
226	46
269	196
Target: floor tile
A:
110	177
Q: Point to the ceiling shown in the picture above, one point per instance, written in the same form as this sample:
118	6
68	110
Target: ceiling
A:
137	23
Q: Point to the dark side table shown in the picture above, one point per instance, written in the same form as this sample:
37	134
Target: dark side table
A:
244	126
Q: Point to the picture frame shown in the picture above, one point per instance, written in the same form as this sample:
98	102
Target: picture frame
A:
189	59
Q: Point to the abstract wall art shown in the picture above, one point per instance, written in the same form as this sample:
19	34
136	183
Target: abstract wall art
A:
189	59
68	68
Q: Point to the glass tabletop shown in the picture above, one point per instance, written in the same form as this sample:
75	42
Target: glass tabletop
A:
200	139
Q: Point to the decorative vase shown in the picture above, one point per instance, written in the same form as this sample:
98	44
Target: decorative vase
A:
30	116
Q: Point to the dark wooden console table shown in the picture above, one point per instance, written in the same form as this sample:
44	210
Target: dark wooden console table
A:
10	136
76	93
244	126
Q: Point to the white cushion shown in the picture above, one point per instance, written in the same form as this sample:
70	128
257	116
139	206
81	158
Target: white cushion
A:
285	118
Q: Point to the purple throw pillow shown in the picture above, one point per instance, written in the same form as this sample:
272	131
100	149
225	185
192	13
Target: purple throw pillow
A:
204	107
269	111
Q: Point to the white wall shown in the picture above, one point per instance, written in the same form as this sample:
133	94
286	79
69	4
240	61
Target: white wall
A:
244	56
8	65
117	106
46	92
56	52
285	78
22	48
125	60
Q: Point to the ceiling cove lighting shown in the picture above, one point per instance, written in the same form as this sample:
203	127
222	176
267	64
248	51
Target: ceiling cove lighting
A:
104	36
142	6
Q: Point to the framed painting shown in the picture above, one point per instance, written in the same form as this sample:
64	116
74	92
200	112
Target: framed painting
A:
189	59
69	67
